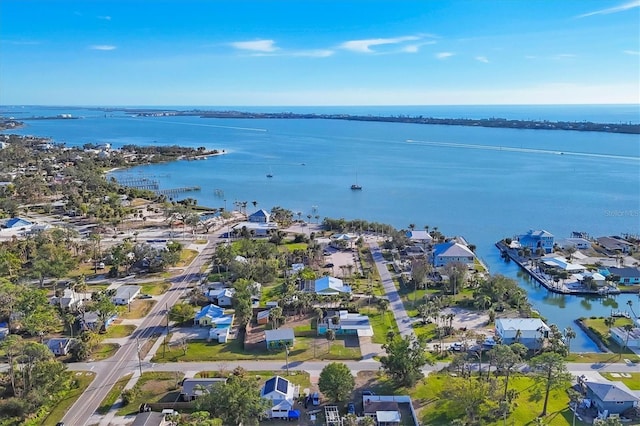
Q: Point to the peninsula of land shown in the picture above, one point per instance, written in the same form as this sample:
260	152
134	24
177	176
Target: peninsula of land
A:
582	126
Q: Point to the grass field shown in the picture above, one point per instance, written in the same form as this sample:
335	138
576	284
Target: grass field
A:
186	257
113	394
381	324
155	288
120	330
154	387
104	351
83	380
632	382
139	308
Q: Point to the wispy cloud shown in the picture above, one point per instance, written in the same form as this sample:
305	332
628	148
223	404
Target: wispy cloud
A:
255	45
621	8
365	46
102	47
415	47
105	18
482	59
21	42
444	55
564	56
318	53
632	52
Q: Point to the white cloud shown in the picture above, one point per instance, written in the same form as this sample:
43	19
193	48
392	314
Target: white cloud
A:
444	55
631	52
564	56
318	53
256	45
621	8
102	47
414	48
482	59
364	46
105	18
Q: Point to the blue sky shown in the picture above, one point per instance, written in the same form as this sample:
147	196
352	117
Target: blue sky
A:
342	52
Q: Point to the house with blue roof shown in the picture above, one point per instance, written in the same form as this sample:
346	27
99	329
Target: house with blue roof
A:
282	395
537	239
328	286
450	252
261	216
214	316
16	222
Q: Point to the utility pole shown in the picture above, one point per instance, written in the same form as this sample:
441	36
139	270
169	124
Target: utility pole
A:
139	360
286	352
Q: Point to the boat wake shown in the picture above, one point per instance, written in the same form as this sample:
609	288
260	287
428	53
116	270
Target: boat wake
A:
525	150
183	123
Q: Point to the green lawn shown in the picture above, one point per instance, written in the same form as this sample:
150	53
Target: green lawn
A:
300	378
104	351
83	380
113	394
156	288
306	348
186	257
436	411
428	331
154	387
381	324
120	330
632	382
139	308
294	246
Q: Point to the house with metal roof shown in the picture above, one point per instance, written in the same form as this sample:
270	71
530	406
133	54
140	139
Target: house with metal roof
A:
221	296
125	294
385	413
419	237
628	275
343	322
450	252
562	264
537	239
328	286
610	398
213	316
60	346
282	394
275	339
620	336
528	331
69	299
195	387
16	222
150	418
614	244
260	216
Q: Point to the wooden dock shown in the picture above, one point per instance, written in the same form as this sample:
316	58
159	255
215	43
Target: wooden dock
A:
176	191
140	183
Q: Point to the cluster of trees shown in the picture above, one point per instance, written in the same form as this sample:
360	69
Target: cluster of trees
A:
27	308
34	382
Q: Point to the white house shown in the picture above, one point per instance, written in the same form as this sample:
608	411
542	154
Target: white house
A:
421	237
561	263
328	286
346	323
528	331
125	294
577	243
222	296
282	394
619	334
68	300
445	253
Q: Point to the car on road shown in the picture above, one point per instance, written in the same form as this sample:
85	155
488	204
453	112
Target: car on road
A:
145	296
351	408
329	265
457	347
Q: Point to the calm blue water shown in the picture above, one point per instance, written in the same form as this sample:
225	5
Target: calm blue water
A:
481	183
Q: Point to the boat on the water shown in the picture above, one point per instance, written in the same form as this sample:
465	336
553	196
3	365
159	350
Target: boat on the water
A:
356	186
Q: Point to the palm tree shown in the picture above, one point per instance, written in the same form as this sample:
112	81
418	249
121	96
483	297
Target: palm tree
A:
518	336
412	226
275	315
569	334
383	305
628	328
318	313
331	336
610	322
630	305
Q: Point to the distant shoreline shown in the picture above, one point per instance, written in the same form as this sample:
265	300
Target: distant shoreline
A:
581	126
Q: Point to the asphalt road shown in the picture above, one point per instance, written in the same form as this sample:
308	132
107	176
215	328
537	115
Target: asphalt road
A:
126	359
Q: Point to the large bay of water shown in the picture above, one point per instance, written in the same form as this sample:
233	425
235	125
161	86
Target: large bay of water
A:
481	183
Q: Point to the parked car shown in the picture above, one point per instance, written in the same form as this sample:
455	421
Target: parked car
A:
457	347
315	398
351	408
145	296
329	265
368	393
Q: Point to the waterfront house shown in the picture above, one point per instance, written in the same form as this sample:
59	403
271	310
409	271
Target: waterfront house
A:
327	286
255	229
261	216
614	245
528	331
193	388
626	275
451	252
610	398
126	294
537	239
577	243
561	264
60	346
282	395
419	237
343	322
619	335
277	339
